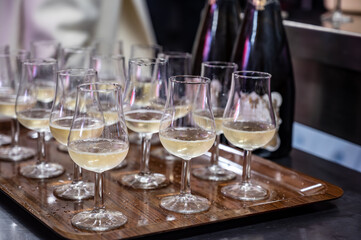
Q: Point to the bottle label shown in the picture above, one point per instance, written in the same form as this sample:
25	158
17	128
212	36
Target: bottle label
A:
275	142
260	4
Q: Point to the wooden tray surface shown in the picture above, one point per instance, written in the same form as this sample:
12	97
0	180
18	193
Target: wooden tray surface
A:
287	189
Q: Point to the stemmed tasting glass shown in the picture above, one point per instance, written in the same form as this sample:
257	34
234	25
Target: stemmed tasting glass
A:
220	74
179	63
98	141
186	139
9	82
61	117
45	49
111	69
336	17
248	123
144	101
37	92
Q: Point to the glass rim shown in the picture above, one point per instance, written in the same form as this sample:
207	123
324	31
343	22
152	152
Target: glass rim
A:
257	74
220	64
174	54
204	80
146	61
40	61
77	72
115	87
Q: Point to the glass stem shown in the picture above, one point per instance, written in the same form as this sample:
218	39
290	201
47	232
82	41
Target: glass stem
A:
144	164
98	194
215	152
185	179
246	174
14	138
41	148
78	173
338	6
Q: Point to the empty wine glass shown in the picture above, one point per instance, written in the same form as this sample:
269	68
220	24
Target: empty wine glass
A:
186	139
75	57
60	122
248	123
144	101
37	92
179	63
336	17
220	74
98	141
9	82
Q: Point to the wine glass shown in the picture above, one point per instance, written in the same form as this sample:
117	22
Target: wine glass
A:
98	141
60	122
248	123
336	17
45	49
37	92
144	101
186	139
179	63
75	57
9	82
220	74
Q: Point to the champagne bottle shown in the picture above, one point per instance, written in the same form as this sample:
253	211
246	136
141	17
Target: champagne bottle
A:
216	33
262	46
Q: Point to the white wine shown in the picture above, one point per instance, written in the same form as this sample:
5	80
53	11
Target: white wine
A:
248	135
7	105
83	129
201	119
98	155
143	121
35	119
186	143
45	91
182	110
111	117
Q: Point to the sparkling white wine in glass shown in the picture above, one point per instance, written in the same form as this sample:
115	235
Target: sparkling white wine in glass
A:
184	138
249	123
98	153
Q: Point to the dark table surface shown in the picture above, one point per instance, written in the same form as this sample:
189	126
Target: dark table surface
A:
336	219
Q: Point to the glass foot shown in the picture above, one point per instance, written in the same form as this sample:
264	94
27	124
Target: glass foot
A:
16	153
42	170
98	220
62	148
161	153
4	140
123	164
146	181
185	203
246	192
213	173
75	191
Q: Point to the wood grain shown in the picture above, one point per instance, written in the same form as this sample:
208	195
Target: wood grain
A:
287	189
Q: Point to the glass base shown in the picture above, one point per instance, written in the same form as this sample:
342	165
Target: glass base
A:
62	148
99	220
245	192
146	181
75	191
4	140
16	153
185	203
42	170
213	173
161	153
123	164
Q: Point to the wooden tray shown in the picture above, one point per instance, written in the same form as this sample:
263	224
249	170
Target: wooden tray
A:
287	189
